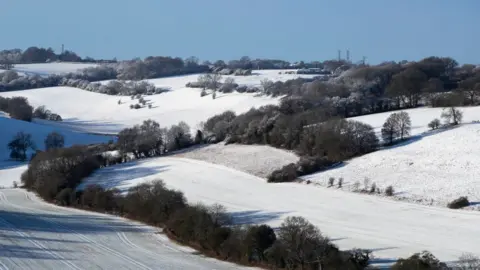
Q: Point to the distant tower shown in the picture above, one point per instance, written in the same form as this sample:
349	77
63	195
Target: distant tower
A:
339	55
348	56
363	60
63	48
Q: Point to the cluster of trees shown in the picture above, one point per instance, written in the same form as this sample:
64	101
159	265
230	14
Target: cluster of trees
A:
294	125
10	80
149	139
55	175
115	87
34	55
397	125
19	108
23	142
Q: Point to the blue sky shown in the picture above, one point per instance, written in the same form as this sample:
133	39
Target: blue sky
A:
228	29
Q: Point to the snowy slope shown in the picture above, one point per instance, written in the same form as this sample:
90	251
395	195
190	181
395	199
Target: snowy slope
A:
435	168
391	228
431	168
98	113
37	235
259	160
10	127
420	118
51	68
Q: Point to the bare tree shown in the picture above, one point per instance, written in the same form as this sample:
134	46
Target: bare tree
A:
404	124
266	85
434	124
19	146
54	140
396	125
389	130
467	262
452	115
303	241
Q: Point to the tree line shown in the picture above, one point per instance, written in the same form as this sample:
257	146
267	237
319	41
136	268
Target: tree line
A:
296	244
19	108
56	173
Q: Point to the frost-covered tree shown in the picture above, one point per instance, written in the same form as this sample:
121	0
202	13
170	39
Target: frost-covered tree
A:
266	85
389	130
396	125
452	115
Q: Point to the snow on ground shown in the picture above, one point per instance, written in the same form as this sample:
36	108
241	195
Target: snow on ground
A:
51	68
391	229
259	160
431	168
435	168
10	127
420	118
98	113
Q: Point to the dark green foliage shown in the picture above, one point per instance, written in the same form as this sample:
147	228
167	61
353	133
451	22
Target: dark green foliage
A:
459	203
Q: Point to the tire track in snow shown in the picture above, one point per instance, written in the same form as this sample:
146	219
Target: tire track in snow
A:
36	243
79	235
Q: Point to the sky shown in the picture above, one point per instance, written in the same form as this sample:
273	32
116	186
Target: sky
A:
292	30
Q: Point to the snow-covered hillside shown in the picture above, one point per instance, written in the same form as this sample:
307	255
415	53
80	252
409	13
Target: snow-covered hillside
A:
433	167
259	160
10	127
420	118
98	113
391	229
51	68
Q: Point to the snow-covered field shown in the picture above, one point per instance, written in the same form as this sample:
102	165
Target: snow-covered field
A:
10	127
98	113
431	168
390	228
420	118
259	160
51	68
37	235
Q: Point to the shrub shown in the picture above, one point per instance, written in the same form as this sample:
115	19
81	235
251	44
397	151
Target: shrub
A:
137	106
340	182
19	108
131	106
286	174
308	165
373	187
458	203
389	191
356	186
434	124
419	261
366	183
331	181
